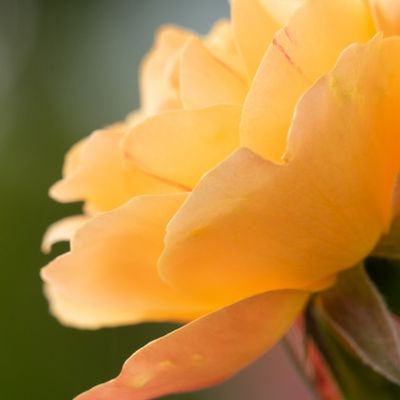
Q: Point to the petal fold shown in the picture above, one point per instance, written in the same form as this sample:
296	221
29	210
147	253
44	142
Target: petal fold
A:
180	146
159	86
221	42
205	81
206	351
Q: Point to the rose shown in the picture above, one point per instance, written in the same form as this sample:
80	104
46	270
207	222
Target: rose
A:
256	218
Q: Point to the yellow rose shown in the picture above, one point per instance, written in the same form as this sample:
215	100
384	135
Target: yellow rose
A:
262	162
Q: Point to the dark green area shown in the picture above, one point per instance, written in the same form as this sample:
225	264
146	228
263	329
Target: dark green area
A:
386	276
75	70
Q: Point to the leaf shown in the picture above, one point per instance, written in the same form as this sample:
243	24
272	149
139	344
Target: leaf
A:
386	276
355	380
357	313
389	244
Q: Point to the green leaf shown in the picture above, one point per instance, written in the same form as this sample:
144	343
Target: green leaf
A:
357	313
389	244
355	380
386	276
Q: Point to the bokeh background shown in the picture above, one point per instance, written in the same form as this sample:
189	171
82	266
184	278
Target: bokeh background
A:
67	68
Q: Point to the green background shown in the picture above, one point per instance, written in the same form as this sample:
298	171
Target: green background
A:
67	68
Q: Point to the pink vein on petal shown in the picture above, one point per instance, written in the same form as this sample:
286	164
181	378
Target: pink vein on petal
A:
286	55
289	36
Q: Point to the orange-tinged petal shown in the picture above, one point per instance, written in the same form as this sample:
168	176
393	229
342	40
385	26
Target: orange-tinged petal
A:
251	225
62	230
221	42
299	54
205	352
387	15
205	81
110	275
98	173
180	146
158	81
253	28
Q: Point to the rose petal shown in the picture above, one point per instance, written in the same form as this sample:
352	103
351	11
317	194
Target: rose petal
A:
205	81
299	54
251	226
62	230
205	352
180	146
110	276
250	20
221	42
73	157
282	10
158	83
387	15
100	175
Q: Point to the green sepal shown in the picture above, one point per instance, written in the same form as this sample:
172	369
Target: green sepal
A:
355	380
358	314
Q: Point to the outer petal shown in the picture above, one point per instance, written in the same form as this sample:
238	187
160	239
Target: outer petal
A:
158	78
299	54
387	15
252	226
253	28
62	230
97	172
110	276
180	146
205	81
206	351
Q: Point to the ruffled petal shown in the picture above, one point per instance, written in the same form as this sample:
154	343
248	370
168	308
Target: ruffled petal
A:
110	275
98	173
299	54
205	81
205	352
387	15
251	225
62	231
180	146
159	86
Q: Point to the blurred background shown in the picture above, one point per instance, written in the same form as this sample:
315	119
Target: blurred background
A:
67	68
